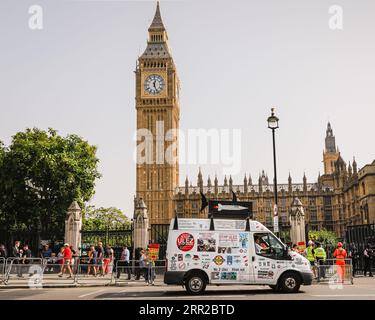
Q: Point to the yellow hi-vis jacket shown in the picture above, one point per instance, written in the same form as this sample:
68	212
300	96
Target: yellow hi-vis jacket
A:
320	253
310	254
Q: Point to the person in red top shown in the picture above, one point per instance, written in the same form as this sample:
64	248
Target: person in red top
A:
340	255
67	261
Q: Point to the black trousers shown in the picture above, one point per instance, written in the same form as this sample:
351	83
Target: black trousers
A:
354	266
321	268
123	266
368	265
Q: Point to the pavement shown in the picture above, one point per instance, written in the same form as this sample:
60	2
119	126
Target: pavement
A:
362	289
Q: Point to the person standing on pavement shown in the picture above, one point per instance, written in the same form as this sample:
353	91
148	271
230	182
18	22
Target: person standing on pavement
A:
310	255
107	257
100	259
143	265
112	258
93	255
17	254
150	269
46	252
74	260
26	255
368	255
124	262
3	252
340	255
321	257
60	258
67	261
354	255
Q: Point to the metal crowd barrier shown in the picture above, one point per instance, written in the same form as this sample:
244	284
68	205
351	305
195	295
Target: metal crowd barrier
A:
40	271
22	268
2	269
151	273
331	272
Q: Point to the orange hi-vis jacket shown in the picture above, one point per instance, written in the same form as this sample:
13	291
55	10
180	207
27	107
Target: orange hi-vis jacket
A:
340	255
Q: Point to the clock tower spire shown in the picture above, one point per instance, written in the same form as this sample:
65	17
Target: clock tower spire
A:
158	115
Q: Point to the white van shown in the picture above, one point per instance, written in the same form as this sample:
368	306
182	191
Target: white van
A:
218	251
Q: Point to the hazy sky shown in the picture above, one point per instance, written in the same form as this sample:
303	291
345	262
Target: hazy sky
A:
235	59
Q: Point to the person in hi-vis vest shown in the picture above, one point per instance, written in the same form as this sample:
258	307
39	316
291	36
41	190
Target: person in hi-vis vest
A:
340	255
321	256
310	255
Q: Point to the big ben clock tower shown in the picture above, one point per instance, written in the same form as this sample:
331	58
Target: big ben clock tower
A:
158	113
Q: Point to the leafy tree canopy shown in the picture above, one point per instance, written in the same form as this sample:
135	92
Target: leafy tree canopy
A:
324	237
105	219
41	173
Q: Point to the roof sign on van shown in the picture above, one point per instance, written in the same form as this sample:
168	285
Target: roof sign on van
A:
220	224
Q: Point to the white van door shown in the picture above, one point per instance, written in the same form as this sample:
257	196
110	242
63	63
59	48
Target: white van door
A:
232	260
267	260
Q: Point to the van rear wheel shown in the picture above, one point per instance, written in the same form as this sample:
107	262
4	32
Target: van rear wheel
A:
195	284
290	282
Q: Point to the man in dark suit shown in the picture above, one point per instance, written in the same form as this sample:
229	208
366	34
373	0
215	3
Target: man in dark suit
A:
3	252
16	253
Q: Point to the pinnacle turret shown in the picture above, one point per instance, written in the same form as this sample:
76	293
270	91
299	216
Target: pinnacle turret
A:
157	23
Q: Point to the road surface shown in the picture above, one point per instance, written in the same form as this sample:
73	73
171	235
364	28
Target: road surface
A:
363	289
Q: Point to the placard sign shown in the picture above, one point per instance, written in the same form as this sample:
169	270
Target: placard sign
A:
153	251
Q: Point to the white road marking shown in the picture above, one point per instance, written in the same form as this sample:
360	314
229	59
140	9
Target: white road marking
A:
343	295
90	293
12	290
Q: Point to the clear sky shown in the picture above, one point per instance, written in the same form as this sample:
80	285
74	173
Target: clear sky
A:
236	59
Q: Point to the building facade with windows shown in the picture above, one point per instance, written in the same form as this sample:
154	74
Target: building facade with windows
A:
342	196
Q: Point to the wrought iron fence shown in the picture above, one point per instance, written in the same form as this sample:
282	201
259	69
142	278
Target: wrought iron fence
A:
159	235
114	238
357	238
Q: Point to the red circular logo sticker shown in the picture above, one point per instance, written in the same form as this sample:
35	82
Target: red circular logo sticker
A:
185	242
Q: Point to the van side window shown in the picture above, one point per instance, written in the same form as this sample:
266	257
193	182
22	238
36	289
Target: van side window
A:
267	245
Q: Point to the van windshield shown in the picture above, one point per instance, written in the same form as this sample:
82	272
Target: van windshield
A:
267	245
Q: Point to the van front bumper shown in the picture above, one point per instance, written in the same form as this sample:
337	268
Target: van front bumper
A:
174	277
307	278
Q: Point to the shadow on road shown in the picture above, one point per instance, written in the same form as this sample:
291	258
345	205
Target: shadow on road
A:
182	293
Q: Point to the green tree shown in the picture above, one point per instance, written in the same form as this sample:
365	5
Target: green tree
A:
104	219
41	173
326	238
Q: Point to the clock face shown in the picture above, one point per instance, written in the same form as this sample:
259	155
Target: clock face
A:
154	84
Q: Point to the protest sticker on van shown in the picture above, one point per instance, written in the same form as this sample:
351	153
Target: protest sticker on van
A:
265	274
185	242
206	242
215	275
228	240
244	240
193	224
219	260
228	276
181	265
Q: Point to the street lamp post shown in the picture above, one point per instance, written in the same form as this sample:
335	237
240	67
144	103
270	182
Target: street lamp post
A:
273	124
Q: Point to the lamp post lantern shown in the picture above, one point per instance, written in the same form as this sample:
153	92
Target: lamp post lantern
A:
273	124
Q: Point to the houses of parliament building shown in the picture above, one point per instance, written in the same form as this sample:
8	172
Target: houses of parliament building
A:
344	195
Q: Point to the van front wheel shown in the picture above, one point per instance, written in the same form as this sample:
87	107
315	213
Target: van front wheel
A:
275	288
290	282
195	284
